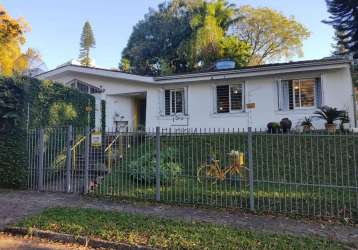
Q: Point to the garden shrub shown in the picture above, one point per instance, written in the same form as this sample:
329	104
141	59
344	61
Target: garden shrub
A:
12	134
50	104
143	168
49	100
12	159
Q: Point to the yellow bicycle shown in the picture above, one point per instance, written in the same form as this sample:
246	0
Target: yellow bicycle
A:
213	172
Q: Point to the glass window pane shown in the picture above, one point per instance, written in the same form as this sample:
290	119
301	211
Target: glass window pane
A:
173	102
307	93
179	101
290	95
296	91
222	99
236	97
167	102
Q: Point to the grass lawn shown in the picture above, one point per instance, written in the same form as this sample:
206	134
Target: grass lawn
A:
163	233
303	174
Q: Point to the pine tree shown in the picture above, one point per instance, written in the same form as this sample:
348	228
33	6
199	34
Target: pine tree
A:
87	42
338	46
344	19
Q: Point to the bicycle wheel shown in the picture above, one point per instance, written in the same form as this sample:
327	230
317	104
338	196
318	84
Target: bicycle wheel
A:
205	175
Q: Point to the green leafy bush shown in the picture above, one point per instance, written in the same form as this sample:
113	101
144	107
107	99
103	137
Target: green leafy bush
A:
143	168
49	103
12	159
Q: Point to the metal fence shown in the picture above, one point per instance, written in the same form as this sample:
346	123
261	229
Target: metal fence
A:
302	173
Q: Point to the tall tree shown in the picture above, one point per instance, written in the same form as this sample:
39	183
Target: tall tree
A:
155	39
209	41
338	46
87	42
344	19
270	34
183	36
12	37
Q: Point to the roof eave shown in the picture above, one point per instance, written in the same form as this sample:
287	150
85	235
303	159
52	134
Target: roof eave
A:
249	71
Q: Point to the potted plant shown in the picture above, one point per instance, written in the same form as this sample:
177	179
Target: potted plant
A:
286	125
273	127
330	115
344	119
307	124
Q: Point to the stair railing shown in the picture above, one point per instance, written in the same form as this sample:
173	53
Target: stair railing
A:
74	150
109	151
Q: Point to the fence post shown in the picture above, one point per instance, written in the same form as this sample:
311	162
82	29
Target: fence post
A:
40	180
157	172
251	170
68	159
87	151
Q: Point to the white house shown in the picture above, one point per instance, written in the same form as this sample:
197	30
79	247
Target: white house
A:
236	98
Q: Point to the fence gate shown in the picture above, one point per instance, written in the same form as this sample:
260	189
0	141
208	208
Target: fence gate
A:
62	160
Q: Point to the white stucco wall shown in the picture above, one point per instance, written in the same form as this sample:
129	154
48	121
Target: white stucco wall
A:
336	88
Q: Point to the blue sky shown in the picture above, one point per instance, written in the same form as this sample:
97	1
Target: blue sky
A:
57	25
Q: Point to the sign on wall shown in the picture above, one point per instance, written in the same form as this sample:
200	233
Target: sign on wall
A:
96	139
251	105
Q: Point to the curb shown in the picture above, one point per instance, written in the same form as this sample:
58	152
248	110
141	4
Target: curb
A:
68	238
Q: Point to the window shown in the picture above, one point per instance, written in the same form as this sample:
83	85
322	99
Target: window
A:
229	98
174	101
84	87
303	93
299	94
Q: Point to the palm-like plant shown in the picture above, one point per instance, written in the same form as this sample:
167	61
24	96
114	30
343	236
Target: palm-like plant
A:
307	122
329	114
209	22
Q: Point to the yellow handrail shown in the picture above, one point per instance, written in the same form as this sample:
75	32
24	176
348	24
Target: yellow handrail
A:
73	148
109	149
111	144
78	142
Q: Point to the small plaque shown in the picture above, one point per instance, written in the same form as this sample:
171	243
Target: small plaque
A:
251	105
96	139
88	108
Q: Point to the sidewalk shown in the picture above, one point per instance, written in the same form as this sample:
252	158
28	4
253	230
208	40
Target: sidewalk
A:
15	205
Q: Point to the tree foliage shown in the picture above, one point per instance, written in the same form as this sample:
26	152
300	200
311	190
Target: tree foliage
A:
209	41
344	19
11	28
270	34
157	37
12	36
11	39
188	35
87	42
338	46
183	36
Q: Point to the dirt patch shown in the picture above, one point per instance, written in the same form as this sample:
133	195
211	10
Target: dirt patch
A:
16	205
25	243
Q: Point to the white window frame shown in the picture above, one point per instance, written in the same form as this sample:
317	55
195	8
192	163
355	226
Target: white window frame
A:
174	90
294	96
230	110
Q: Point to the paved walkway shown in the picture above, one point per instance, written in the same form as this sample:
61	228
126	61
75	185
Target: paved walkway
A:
15	205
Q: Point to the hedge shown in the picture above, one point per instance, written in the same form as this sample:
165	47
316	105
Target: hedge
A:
45	94
49	104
